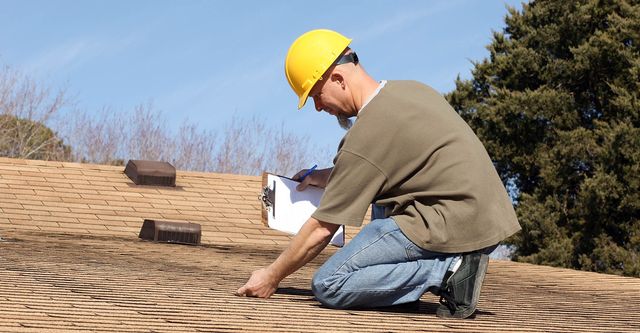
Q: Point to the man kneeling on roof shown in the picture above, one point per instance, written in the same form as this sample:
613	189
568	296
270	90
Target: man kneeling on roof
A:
439	207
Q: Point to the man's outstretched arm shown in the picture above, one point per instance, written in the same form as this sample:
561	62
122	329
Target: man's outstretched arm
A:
312	238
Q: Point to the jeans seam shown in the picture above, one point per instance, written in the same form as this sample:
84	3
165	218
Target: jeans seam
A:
380	290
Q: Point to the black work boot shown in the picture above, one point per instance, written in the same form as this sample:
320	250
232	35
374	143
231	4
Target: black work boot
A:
460	292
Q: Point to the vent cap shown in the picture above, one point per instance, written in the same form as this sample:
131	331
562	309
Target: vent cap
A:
151	173
171	232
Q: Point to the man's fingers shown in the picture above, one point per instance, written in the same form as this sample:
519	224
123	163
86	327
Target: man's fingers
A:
242	291
302	185
299	174
260	284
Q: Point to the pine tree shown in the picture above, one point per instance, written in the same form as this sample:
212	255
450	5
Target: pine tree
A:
557	105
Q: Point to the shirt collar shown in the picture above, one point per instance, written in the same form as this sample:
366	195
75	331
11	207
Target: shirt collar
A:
374	94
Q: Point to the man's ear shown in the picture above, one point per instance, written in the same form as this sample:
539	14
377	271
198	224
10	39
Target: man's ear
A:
338	78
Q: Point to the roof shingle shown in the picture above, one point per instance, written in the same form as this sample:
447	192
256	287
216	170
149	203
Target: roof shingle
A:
71	261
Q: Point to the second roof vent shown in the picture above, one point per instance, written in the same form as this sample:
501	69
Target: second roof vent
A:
151	173
171	232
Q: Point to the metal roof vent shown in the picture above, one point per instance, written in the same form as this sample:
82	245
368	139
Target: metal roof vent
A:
171	232
151	173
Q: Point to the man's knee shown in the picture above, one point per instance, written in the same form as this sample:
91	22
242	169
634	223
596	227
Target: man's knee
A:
321	287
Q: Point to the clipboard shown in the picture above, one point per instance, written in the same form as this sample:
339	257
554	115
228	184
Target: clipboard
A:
286	209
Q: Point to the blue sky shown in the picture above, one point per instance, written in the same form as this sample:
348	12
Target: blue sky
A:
207	61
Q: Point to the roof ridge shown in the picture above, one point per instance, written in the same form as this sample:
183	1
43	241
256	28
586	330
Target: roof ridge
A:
108	167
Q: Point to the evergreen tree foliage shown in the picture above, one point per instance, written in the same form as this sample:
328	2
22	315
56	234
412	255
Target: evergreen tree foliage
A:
557	105
30	139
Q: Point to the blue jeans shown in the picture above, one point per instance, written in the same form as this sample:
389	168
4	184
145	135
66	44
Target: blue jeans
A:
379	267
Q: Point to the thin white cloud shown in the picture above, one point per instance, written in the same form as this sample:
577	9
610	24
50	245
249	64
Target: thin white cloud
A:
225	90
58	57
403	19
74	53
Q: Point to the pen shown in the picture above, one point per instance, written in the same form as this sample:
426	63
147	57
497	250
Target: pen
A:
308	173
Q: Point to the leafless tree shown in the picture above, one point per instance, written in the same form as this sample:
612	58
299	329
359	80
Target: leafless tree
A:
245	146
147	136
251	147
25	108
95	139
194	149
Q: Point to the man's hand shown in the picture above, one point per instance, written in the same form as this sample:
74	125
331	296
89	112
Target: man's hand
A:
317	178
310	240
261	284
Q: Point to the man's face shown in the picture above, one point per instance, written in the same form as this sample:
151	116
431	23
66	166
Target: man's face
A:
328	95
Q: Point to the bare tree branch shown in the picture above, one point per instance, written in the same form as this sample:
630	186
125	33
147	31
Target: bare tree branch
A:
246	146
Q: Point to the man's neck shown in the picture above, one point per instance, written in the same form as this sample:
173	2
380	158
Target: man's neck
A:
368	88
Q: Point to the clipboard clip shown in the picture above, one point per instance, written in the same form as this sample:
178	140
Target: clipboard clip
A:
268	199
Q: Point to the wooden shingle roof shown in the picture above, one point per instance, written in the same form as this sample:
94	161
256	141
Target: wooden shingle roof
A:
102	200
70	260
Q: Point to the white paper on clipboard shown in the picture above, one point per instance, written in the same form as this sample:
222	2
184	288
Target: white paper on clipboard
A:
287	209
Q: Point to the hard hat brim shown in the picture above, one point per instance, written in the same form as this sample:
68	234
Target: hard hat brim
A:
303	98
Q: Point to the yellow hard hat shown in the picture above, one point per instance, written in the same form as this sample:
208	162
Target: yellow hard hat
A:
309	57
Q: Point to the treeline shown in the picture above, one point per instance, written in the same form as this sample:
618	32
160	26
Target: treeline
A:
38	123
557	104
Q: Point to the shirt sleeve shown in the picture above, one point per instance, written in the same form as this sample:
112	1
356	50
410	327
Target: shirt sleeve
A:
352	186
